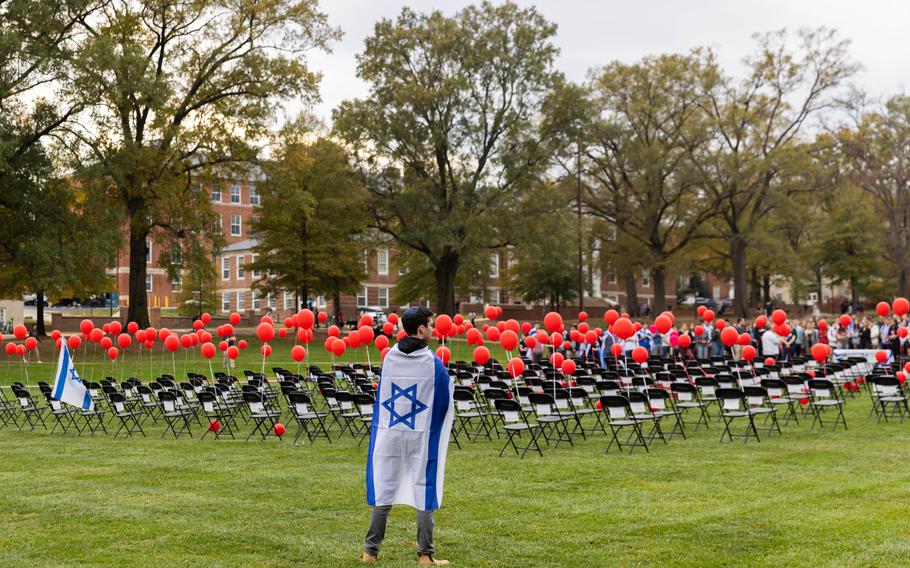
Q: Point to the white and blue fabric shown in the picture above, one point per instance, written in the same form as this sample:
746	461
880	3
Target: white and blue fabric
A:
68	387
409	438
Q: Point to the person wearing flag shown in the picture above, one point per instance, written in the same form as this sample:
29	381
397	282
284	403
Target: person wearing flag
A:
409	437
68	387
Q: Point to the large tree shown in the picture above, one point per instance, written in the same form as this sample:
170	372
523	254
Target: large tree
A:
758	119
447	135
646	123
173	90
311	222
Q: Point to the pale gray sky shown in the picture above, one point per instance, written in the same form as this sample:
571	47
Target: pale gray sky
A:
592	33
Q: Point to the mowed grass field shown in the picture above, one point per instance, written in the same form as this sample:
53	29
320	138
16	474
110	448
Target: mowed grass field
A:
808	498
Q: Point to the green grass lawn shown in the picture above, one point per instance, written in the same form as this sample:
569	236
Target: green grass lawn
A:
804	499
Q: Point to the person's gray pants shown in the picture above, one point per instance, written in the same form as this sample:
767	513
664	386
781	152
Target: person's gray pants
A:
376	533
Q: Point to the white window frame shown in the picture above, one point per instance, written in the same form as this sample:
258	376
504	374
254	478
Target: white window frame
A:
253	259
149	283
148	251
612	277
225	268
240	300
241	273
236	194
225	302
645	278
288	300
363	297
254	195
216	195
494	296
494	266
383	302
255	298
239	225
382	262
611	233
177	282
403	270
320	302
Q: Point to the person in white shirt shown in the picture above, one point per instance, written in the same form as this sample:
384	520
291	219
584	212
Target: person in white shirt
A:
770	344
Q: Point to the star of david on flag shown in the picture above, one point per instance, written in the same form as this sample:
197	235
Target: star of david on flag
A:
407	418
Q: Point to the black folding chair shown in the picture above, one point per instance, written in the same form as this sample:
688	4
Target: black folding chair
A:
174	415
129	419
311	423
733	407
264	420
514	423
826	397
32	413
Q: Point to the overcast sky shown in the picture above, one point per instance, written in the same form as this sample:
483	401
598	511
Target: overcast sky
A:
591	33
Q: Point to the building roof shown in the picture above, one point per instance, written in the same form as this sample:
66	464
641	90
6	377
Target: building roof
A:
245	244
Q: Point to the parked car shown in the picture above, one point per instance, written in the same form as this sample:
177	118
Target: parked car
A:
377	314
68	303
31	300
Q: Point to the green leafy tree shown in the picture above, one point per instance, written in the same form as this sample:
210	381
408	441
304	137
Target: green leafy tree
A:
310	226
447	135
172	90
199	279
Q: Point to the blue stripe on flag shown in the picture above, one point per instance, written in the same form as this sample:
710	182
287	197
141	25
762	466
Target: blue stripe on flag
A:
86	401
61	372
440	409
374	428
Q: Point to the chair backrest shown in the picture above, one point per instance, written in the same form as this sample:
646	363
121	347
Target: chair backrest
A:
168	400
118	400
301	402
542	403
254	401
776	388
208	400
822	389
685	392
364	403
756	396
345	400
886	386
617	407
510	410
730	399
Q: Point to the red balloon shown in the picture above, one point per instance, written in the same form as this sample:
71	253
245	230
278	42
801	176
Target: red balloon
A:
819	352
207	350
557	360
881	356
242	344
186	341
105	343
112	353
591	337
10	349
354	339
729	336
822	325
279	429
85	326
663	324
616	349
556	339
701	310
206	318
744	339
266	350
366	334
493	333
132	327
624	328
388	328
583	327
268	320
900	306
640	354
401	335
116	327
443	323
124	340
222	346
515	367
20	331
902	332
598	405
393	319
444	355
708	315
20	350
490	312
508	339
55	335
171	343
844	320
265	332
205	337
749	353
298	353
698	331
214	425
95	335
542	337
458	319
481	355
381	342
685	341
552	321
779	317
165	333
610	316
769	361
883	308
761	321
234	318
720	324
74	341
530	342
197	324
31	343
384	352
306	318
568	367
333	331
338	347
582	316
282	332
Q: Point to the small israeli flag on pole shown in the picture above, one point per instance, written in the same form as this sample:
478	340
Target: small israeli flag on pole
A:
68	387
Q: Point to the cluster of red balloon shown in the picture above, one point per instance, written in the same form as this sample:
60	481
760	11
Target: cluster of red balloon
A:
20	332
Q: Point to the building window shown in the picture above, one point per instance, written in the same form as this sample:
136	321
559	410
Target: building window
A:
240	306
225	302
177	282
320	302
255	300
383	297
225	268
611	273
235	225
253	260
241	273
382	262
362	298
254	195
148	252
366	261
402	271
613	297
645	278
268	300
611	233
235	193
216	195
494	266
288	301
148	282
494	296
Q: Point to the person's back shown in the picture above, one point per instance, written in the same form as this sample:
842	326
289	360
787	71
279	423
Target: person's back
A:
770	344
409	436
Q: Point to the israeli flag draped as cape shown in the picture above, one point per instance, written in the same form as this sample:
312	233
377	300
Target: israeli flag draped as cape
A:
409	438
68	387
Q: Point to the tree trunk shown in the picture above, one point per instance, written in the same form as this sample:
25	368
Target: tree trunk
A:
39	312
631	291
766	287
138	308
853	294
446	270
738	255
336	304
902	281
754	295
658	281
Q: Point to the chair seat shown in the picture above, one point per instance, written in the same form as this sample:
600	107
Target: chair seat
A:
892	398
828	402
690	405
258	415
736	414
625	422
311	416
585	411
552	419
761	410
520	426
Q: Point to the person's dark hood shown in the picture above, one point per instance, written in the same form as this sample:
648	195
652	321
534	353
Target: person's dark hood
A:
410	344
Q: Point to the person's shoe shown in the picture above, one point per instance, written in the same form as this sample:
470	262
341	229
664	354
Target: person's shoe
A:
368	559
425	560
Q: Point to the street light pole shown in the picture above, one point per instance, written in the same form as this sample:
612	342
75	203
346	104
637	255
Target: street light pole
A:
581	288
